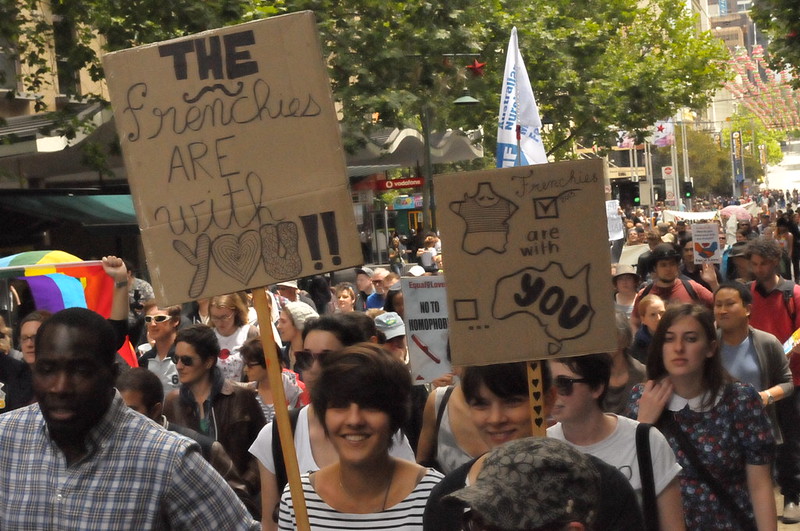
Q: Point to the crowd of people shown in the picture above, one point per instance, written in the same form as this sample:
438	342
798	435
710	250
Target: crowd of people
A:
687	424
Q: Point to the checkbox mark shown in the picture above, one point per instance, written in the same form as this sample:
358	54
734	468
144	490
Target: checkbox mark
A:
545	207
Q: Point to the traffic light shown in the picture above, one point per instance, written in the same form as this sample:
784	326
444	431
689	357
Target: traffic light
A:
637	200
688	190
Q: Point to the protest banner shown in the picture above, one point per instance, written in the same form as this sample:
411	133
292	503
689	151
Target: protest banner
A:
234	158
527	262
236	169
425	300
705	243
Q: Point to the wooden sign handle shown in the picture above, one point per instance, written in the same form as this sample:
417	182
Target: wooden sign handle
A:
281	411
536	397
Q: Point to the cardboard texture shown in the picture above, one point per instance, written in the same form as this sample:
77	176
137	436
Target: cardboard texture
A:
234	158
425	300
527	262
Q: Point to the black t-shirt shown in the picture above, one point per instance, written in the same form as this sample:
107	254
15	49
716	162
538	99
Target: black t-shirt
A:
618	509
18	384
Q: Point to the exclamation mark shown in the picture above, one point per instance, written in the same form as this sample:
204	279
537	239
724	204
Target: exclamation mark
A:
329	224
311	228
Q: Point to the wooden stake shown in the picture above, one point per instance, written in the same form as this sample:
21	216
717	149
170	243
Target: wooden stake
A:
281	412
536	397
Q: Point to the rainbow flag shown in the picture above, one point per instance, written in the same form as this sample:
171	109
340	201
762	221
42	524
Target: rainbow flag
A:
59	280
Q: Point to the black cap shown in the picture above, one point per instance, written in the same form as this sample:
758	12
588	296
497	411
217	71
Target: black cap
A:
665	251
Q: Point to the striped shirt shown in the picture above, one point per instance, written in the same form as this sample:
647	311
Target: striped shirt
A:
135	475
406	515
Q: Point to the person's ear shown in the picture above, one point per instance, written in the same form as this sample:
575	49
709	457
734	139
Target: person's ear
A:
156	411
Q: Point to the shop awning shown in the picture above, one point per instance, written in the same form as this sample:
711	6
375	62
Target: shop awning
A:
88	210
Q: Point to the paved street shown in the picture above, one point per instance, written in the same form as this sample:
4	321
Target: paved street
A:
786	176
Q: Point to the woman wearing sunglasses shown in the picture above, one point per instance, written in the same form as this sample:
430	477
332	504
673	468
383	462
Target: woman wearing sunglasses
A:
362	397
500	409
717	427
162	327
328	333
212	405
581	384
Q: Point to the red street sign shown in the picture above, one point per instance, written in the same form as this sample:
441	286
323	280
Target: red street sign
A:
411	182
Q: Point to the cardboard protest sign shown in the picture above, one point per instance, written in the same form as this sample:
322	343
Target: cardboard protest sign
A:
234	158
425	302
705	243
527	262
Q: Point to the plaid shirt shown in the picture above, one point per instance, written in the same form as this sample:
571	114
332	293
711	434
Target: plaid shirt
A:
135	475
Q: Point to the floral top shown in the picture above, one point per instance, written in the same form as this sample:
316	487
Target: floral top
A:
730	434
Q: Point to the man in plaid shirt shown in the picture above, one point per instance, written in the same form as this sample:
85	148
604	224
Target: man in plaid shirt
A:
81	459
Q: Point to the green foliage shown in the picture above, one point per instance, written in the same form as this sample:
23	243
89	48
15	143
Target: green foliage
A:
710	163
780	19
595	66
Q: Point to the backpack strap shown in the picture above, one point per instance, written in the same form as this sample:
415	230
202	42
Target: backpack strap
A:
647	289
687	285
649	505
442	405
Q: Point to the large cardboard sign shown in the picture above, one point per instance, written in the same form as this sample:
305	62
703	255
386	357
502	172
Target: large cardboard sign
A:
234	158
527	262
425	301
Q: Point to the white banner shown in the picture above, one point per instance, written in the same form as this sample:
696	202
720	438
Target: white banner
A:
519	115
426	327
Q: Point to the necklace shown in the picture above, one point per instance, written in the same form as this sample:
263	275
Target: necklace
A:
386	490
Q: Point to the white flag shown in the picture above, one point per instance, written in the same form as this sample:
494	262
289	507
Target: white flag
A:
518	111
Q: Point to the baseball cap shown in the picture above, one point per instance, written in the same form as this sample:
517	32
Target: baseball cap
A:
533	482
365	270
390	324
288	283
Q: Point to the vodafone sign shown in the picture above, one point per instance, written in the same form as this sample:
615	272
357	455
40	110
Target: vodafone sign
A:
412	182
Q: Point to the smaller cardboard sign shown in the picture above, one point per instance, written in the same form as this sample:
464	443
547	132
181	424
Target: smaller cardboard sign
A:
425	301
527	262
705	242
616	229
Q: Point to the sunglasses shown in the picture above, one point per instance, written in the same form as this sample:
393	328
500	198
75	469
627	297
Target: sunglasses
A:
306	358
187	361
157	318
564	384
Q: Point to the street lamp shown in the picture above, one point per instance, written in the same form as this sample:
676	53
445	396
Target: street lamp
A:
428	201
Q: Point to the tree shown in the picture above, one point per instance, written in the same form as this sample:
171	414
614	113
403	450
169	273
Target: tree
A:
780	19
594	66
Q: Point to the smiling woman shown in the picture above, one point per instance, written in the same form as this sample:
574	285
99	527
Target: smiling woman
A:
362	395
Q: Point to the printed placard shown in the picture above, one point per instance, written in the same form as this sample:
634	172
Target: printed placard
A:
425	302
705	243
616	229
527	262
234	158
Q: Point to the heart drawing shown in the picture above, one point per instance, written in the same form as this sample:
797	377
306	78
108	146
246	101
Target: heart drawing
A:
237	257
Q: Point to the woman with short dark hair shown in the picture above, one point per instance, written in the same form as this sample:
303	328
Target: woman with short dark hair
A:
362	398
